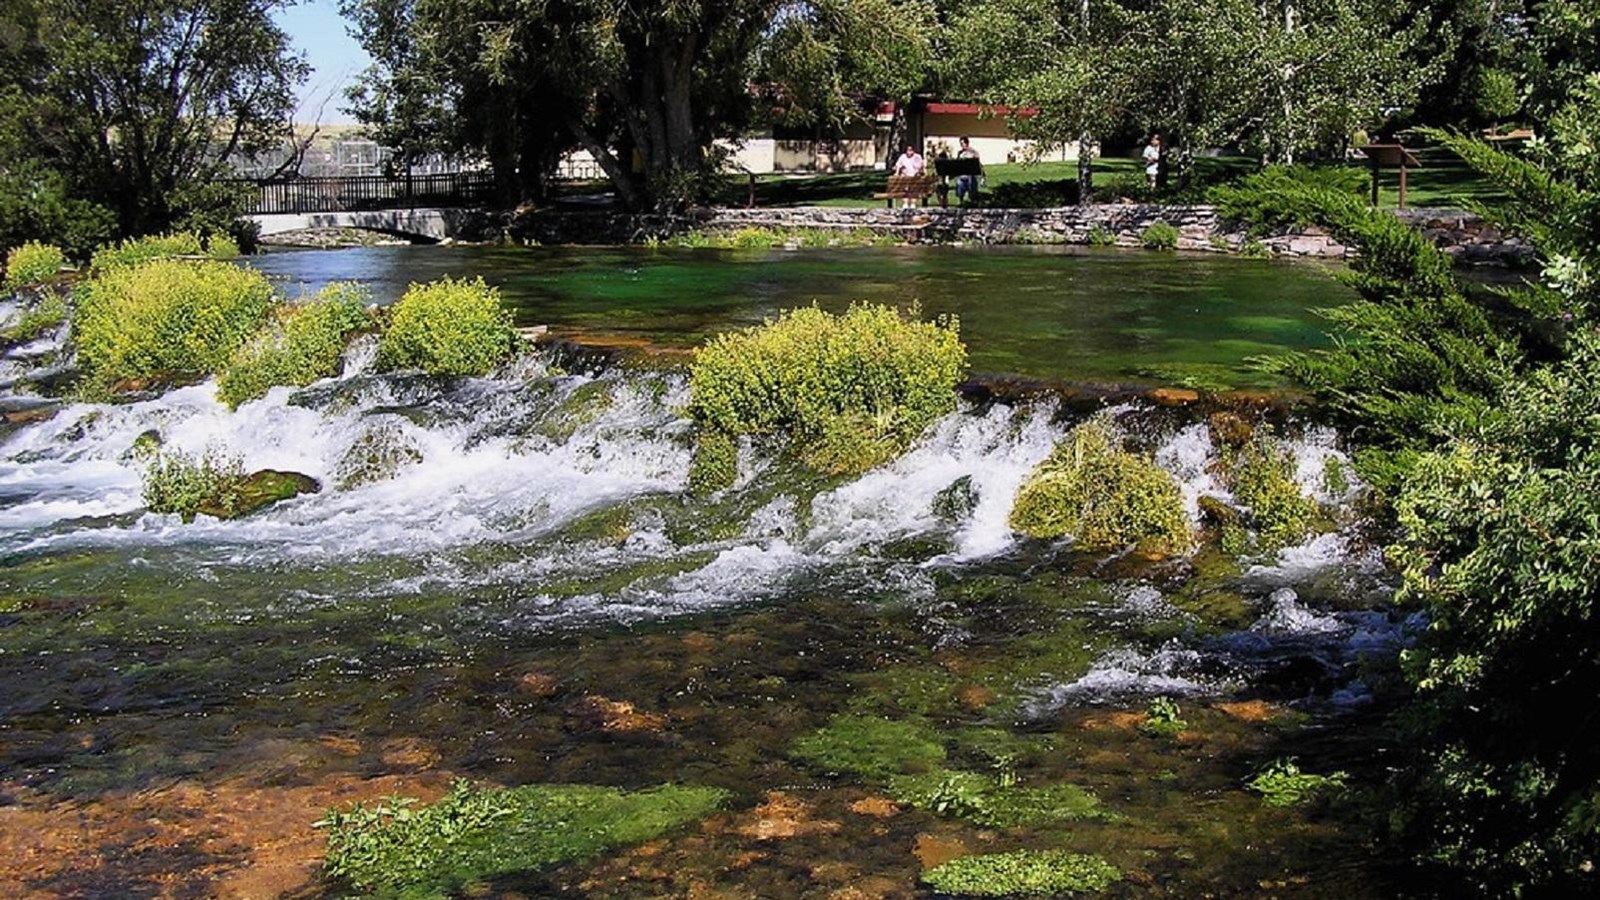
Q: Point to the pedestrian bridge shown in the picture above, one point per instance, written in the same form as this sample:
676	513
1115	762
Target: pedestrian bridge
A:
433	224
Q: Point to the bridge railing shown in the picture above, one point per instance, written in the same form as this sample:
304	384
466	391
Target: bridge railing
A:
354	193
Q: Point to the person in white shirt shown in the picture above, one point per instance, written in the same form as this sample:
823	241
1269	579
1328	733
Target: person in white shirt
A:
1152	160
910	163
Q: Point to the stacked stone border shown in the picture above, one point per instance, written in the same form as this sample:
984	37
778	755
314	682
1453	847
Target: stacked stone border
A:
1467	237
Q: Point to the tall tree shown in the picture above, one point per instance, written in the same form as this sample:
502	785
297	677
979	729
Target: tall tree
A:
139	103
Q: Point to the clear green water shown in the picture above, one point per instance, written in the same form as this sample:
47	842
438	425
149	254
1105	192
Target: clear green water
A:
1070	314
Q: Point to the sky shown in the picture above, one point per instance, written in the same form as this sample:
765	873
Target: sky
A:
316	29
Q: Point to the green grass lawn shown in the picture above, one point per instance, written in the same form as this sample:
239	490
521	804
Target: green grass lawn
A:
1443	181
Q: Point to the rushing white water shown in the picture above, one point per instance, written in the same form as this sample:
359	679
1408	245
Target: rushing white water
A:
490	488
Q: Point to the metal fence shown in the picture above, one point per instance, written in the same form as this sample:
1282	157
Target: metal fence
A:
362	192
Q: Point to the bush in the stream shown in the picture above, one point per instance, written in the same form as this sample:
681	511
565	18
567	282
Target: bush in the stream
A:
167	316
134	251
302	343
32	263
1262	478
1105	497
215	485
1022	873
852	390
448	327
395	848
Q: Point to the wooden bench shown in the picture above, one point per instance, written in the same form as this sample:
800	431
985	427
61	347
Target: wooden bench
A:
908	187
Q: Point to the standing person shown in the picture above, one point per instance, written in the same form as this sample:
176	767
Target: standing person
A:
910	164
967	185
1152	160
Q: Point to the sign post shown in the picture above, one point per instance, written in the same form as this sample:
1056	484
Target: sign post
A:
1382	155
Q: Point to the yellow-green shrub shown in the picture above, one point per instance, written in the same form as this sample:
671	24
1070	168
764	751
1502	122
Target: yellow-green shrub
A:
32	263
1104	496
1263	483
160	246
167	316
852	390
448	327
302	343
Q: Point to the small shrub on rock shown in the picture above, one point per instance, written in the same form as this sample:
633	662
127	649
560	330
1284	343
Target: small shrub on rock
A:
32	263
1022	873
216	485
301	344
1102	495
168	316
1263	483
395	848
852	390
448	327
1160	236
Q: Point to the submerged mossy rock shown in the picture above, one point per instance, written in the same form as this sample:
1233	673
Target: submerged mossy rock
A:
474	833
1023	873
1262	478
382	450
871	748
257	491
1102	495
985	800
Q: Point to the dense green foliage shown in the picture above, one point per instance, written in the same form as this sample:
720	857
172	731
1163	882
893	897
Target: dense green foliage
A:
35	205
300	344
167	316
395	848
1023	873
32	263
161	246
448	327
1277	197
852	390
1262	479
132	106
1160	236
1479	413
1103	496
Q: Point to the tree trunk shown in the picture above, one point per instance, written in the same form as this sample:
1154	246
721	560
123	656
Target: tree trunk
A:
1085	169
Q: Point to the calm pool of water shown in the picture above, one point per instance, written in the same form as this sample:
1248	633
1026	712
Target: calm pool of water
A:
1074	314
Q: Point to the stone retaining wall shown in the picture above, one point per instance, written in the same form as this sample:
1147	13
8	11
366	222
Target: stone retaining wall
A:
1459	233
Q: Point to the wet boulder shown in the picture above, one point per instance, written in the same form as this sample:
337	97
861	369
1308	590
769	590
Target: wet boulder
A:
257	491
381	451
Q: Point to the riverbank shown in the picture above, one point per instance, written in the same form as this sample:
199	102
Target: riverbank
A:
1466	237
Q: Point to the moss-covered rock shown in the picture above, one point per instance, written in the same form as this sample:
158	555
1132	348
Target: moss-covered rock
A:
988	800
1023	873
473	833
381	451
259	490
957	501
1102	495
871	748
